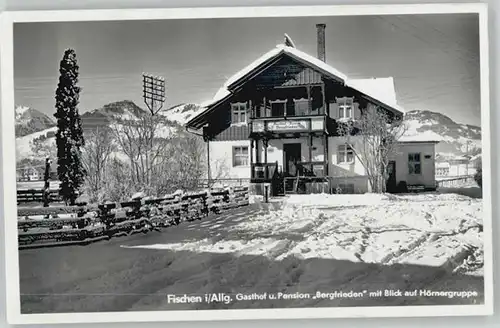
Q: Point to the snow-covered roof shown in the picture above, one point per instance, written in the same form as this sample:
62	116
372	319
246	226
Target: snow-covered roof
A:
278	50
379	89
418	138
442	165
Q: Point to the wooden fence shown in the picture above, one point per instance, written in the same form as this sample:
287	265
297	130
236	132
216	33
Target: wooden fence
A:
456	181
224	182
81	225
36	196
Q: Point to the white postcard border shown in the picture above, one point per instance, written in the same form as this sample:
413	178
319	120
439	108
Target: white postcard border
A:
9	181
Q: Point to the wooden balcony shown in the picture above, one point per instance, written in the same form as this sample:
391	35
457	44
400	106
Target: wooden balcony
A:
293	112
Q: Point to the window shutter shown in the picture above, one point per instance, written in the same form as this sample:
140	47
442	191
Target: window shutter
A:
357	111
334	110
233	115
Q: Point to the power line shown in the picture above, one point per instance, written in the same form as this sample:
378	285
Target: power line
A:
454	40
460	49
413	34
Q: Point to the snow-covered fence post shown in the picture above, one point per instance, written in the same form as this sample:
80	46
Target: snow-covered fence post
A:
105	214
46	185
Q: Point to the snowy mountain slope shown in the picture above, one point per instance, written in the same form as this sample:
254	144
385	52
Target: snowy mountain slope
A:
181	113
455	139
113	115
110	115
23	144
29	120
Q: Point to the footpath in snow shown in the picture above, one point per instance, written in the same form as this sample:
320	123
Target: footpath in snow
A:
439	230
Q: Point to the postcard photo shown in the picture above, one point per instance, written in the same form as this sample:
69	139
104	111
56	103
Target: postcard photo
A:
246	163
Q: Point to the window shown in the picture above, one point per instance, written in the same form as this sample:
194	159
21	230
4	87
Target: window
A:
239	113
345	107
345	154
414	163
240	156
301	106
277	108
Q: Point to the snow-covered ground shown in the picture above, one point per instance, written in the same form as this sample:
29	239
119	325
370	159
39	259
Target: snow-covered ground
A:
310	244
431	229
320	248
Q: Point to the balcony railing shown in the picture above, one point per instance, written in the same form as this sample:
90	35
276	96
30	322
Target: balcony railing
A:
266	171
282	112
263	171
312	169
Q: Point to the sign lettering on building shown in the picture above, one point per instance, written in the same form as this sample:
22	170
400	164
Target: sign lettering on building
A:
288	125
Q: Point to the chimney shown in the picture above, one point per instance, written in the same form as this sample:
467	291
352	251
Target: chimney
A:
321	42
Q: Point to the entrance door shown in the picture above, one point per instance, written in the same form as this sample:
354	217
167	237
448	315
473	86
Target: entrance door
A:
291	156
391	180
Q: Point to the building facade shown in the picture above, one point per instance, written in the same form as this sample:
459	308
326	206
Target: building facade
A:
276	122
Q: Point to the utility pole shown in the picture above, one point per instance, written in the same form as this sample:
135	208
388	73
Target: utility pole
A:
153	92
153	88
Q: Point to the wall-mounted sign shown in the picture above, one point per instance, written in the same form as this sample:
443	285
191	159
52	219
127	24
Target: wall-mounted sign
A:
258	126
288	125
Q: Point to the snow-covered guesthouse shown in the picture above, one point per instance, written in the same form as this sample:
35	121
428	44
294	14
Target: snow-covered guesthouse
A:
275	123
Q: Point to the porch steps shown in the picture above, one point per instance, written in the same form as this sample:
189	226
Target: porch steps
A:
291	186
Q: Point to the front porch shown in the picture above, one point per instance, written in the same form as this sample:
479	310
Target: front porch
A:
284	153
303	184
309	178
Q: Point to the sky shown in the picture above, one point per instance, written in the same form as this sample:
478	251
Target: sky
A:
434	59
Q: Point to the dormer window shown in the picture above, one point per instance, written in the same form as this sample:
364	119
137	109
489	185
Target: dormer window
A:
345	108
239	113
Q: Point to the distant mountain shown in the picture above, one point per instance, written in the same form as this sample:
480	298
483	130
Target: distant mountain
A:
29	120
114	114
111	113
181	113
455	139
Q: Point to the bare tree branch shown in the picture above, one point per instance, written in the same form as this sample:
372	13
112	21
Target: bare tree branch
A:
373	138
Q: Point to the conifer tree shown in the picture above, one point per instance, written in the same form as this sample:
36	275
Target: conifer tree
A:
69	136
